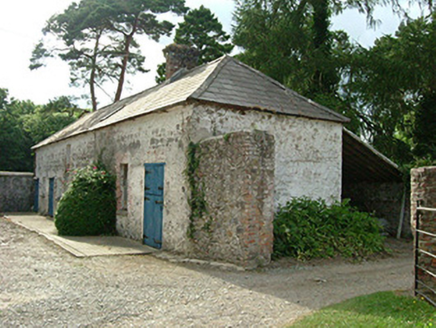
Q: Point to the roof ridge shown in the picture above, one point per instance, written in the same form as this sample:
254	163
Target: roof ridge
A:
222	61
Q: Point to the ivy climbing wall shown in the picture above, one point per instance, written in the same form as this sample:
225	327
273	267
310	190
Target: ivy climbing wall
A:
234	181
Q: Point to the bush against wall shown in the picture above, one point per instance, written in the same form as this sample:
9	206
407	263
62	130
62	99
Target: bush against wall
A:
88	207
306	229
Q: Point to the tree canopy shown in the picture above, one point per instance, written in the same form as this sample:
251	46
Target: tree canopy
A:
387	91
23	124
291	41
395	90
98	39
201	29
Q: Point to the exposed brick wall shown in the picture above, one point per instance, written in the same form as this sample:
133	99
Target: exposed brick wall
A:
16	192
236	173
423	187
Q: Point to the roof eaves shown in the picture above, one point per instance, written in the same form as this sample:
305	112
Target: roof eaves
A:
93	128
340	117
53	136
261	109
372	149
122	103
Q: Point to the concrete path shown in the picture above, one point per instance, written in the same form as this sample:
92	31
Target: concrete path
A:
79	246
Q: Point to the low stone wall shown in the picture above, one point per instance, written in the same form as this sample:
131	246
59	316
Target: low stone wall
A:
236	177
423	188
383	199
16	192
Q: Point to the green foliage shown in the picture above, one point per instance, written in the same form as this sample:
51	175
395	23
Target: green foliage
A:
388	91
88	207
97	38
202	30
50	118
306	229
384	309
161	73
394	87
15	143
291	41
23	124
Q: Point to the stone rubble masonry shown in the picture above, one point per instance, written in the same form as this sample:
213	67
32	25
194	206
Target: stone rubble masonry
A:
16	192
179	56
236	174
384	199
423	187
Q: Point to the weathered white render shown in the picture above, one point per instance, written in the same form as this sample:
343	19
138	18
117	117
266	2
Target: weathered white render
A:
308	153
307	159
156	138
157	126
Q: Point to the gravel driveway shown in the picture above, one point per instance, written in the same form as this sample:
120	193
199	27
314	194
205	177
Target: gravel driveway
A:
43	286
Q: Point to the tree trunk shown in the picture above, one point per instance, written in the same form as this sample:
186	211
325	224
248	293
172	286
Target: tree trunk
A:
124	62
323	79
92	76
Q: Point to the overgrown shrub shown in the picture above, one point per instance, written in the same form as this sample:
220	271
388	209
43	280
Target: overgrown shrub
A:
306	229
88	207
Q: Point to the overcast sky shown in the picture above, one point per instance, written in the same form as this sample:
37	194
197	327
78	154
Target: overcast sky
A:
21	22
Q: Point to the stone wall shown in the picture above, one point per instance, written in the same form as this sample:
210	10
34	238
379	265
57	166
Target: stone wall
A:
155	138
16	192
308	152
385	200
423	187
236	175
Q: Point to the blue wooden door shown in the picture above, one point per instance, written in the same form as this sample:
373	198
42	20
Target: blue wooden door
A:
51	197
36	196
153	204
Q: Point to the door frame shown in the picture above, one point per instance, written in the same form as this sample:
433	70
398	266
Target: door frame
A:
161	197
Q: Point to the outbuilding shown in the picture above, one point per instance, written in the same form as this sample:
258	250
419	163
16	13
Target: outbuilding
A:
253	143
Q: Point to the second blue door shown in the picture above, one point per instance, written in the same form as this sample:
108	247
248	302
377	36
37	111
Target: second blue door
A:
51	197
36	196
153	204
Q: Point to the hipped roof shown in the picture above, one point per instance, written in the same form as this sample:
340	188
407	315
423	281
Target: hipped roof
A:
225	81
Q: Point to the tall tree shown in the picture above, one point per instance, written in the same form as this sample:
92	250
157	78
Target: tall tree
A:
201	29
24	124
292	42
79	32
136	17
395	90
98	39
14	142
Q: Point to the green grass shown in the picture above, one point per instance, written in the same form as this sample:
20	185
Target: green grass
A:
384	309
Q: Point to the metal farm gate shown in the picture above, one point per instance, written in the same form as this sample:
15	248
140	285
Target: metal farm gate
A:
425	260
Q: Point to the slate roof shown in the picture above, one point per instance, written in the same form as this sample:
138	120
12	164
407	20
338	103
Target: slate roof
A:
224	81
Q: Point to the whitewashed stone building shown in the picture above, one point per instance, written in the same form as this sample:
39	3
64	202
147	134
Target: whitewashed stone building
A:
280	144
